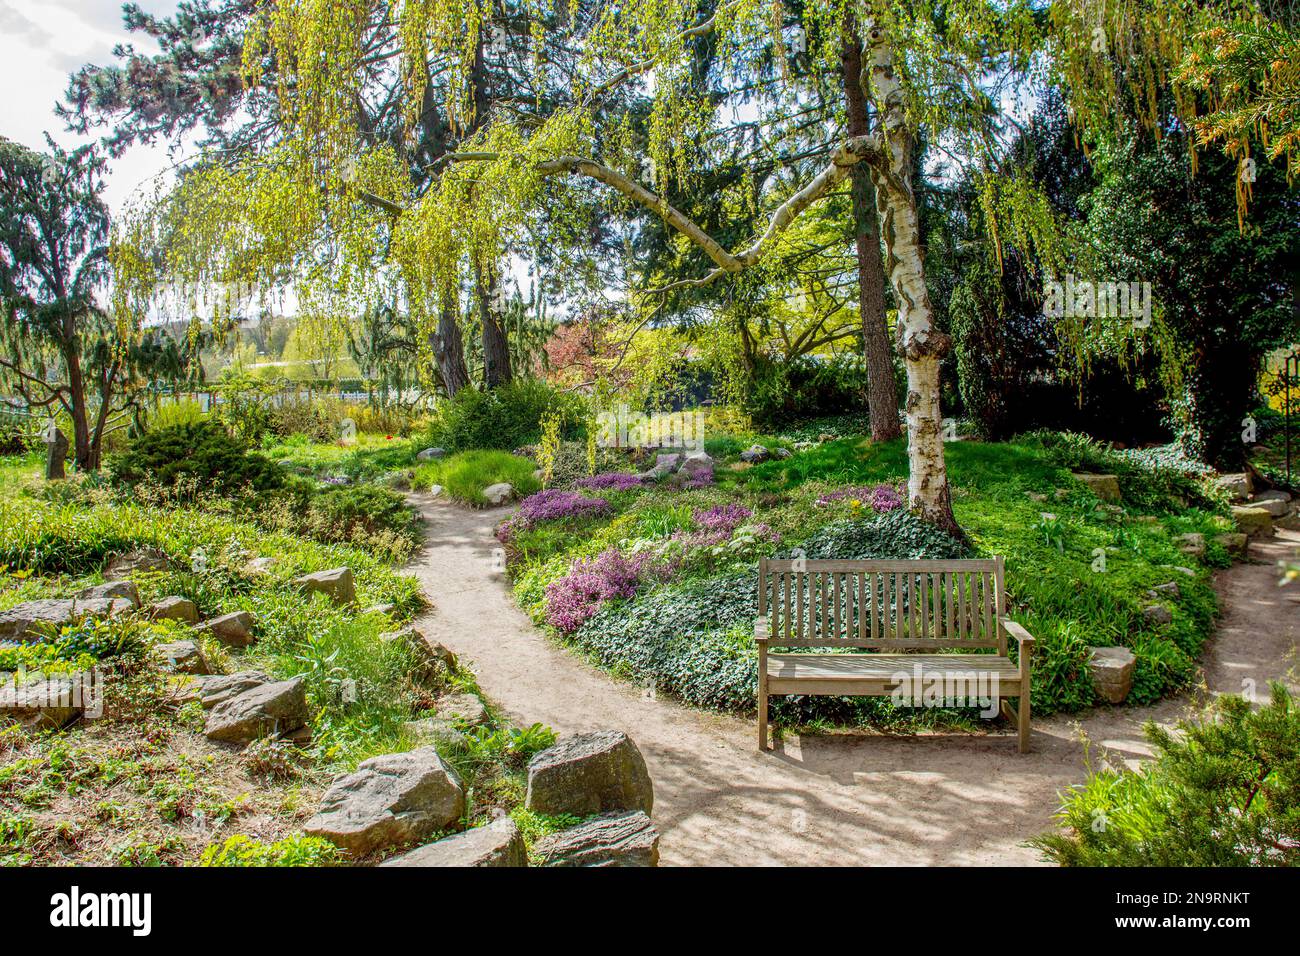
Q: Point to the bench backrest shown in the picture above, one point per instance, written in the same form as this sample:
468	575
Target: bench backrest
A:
883	604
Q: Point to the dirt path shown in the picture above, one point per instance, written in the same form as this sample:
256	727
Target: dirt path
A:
828	800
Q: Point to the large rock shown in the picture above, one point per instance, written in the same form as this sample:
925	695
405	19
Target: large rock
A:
1235	543
1273	495
461	708
266	710
183	657
498	844
1251	521
1157	614
500	493
1237	486
101	607
590	773
1105	487
1276	507
1111	670
618	839
41	704
56	454
390	800
697	464
755	455
216	689
125	590
233	630
27	622
141	559
22	621
665	464
429	454
432	660
174	609
1191	544
336	584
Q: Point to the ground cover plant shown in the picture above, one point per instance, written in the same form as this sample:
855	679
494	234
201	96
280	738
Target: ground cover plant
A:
657	583
142	785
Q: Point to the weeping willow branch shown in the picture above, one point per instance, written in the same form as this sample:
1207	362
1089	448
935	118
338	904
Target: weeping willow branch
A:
849	154
636	69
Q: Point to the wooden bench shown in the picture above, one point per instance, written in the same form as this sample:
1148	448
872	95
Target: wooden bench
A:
903	610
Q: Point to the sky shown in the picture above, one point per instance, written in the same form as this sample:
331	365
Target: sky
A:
41	43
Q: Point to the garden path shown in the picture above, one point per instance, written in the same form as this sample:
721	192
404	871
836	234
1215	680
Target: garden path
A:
838	799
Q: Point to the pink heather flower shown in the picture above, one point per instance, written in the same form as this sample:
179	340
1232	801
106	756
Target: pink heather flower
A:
553	504
612	481
726	518
879	498
609	576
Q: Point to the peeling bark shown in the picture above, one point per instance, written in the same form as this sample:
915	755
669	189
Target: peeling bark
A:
921	344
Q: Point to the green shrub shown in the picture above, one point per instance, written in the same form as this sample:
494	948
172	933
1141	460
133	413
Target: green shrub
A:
301	417
181	412
19	434
1223	791
297	850
198	453
463	476
246	416
806	387
506	418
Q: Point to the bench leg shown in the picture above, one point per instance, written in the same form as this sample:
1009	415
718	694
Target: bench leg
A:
762	717
1022	719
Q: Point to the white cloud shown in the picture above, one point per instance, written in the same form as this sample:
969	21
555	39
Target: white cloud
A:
41	43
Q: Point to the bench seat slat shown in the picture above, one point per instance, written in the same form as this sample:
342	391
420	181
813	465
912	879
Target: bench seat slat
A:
857	665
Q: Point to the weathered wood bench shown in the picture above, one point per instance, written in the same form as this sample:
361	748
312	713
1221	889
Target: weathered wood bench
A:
904	611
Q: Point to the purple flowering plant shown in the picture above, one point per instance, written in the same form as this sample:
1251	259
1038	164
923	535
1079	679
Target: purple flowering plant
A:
612	481
879	498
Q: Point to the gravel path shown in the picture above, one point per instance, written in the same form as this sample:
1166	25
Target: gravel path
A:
849	799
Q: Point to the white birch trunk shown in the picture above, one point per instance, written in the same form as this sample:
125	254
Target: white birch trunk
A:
919	342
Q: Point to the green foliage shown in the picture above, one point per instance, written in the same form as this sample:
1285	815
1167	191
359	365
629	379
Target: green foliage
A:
1223	791
201	454
506	418
463	476
1144	480
515	745
895	534
805	387
296	850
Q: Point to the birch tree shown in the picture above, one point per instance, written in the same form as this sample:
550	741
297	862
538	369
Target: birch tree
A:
944	69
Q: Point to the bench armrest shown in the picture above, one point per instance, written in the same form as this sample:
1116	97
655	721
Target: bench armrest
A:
762	630
1022	636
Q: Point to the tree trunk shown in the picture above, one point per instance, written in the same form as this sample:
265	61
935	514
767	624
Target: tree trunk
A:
82	451
449	349
881	399
921	345
496	349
